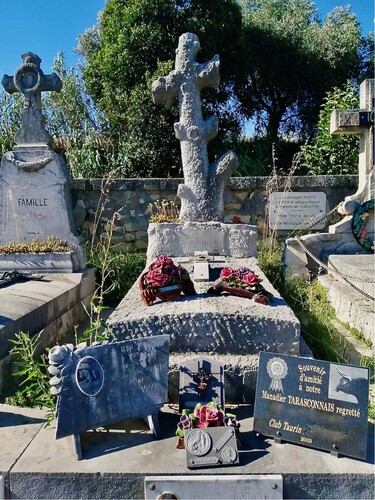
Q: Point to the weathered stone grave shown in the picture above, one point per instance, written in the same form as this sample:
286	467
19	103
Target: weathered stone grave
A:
35	204
104	384
34	196
228	329
314	403
350	281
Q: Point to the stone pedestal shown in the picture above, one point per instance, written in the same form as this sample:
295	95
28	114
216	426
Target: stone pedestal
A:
230	329
35	201
217	238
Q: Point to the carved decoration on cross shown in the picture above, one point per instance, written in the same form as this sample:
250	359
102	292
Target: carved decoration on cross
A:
359	121
30	81
202	194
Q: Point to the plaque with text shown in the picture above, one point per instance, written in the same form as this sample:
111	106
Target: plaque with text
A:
104	384
297	210
314	403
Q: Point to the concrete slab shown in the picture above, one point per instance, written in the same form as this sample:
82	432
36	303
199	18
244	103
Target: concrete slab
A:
54	305
116	461
209	323
18	427
360	270
350	306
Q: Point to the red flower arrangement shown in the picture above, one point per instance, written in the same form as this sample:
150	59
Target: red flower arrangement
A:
165	280
203	416
242	282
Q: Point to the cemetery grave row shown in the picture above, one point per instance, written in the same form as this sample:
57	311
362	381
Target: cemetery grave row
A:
229	316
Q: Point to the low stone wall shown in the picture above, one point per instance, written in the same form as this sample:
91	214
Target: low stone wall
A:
97	200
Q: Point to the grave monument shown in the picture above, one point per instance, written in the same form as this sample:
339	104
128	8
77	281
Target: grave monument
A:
35	205
34	182
346	251
231	330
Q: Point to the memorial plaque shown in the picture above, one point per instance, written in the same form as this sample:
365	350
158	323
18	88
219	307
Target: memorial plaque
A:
201	381
315	403
211	447
289	210
269	486
104	384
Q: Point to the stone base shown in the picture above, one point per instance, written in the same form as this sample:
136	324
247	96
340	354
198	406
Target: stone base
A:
231	329
116	461
51	262
339	241
217	238
351	306
54	305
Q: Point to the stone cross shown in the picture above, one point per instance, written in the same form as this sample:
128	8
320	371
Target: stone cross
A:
202	194
30	81
359	121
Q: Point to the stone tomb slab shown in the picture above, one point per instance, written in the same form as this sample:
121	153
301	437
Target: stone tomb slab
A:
117	462
212	324
104	384
314	403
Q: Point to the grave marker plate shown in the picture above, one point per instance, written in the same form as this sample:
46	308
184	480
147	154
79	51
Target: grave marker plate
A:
190	394
211	447
269	486
296	210
107	383
315	403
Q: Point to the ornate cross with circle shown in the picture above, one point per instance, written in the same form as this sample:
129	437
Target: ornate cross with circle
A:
30	81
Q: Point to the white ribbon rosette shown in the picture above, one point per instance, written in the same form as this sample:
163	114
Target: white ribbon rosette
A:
277	369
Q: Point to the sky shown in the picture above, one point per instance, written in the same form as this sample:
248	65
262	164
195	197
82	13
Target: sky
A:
48	26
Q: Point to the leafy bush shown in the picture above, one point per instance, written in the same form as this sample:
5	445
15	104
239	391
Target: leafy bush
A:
333	154
124	269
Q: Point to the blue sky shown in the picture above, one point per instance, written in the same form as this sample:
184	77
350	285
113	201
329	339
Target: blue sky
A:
47	26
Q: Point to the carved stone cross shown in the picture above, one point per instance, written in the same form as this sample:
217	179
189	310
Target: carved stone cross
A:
202	194
30	81
359	121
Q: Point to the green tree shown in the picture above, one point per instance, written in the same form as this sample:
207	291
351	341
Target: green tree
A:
134	42
333	154
293	60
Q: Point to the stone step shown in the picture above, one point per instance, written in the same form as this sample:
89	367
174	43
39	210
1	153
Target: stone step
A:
117	460
55	305
360	270
350	306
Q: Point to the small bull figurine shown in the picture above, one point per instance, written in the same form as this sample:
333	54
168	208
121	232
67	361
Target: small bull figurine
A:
354	386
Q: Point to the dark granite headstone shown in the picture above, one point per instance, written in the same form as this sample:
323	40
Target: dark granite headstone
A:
211	447
201	381
104	384
315	403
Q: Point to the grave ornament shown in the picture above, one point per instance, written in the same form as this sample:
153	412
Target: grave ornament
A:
30	81
106	383
202	194
34	180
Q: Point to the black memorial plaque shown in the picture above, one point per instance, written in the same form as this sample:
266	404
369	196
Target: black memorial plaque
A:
201	381
314	403
211	447
108	383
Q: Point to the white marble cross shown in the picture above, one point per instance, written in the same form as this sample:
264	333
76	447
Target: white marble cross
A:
361	122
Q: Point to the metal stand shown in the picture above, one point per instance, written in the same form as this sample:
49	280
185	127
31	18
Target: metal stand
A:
77	446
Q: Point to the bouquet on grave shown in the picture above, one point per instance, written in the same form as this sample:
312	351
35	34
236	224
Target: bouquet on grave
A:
242	282
165	280
203	416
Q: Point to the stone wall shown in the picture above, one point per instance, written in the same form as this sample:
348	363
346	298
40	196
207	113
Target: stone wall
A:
244	196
